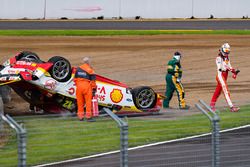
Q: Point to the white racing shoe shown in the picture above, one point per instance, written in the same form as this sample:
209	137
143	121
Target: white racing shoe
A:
234	109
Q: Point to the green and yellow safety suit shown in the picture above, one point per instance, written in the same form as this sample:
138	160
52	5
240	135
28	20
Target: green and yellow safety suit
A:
173	83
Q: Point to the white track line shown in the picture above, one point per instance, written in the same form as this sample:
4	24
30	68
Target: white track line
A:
139	147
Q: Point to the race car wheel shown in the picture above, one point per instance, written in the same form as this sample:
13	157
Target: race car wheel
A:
144	97
27	55
61	69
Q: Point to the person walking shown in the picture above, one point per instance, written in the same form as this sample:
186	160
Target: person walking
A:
223	67
173	82
85	80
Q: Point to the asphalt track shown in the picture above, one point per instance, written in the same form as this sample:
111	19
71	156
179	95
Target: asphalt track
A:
126	25
194	152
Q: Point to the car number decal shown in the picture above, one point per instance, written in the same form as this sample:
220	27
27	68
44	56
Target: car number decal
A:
67	104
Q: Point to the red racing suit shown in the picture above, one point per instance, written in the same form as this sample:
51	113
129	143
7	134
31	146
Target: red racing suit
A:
223	67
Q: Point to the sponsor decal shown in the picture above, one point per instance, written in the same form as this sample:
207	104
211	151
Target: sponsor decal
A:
102	90
129	100
12	72
102	93
13	78
71	91
23	63
3	78
101	97
116	95
50	84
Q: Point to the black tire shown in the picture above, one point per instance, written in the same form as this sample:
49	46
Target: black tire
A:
27	55
144	97
61	69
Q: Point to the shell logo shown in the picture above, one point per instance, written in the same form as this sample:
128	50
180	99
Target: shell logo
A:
116	95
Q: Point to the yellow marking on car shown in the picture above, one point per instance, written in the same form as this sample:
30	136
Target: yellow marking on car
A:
47	74
132	108
41	69
1	84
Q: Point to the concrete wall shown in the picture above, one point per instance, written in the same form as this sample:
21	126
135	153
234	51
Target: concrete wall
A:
54	9
18	9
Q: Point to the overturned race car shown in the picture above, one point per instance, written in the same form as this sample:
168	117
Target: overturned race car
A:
50	86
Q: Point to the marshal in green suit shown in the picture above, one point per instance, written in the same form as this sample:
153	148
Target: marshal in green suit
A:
173	82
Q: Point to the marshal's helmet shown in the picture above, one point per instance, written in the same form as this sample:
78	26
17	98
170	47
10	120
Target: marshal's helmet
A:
177	55
225	49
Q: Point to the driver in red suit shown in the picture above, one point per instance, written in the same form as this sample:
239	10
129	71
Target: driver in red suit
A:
85	80
223	67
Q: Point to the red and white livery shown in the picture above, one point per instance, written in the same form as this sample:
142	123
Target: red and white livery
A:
50	86
223	67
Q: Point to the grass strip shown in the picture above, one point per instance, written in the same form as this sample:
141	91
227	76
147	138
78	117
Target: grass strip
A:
116	32
56	139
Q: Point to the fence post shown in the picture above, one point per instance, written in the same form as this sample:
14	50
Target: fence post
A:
215	132
21	139
124	146
216	140
123	137
22	149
